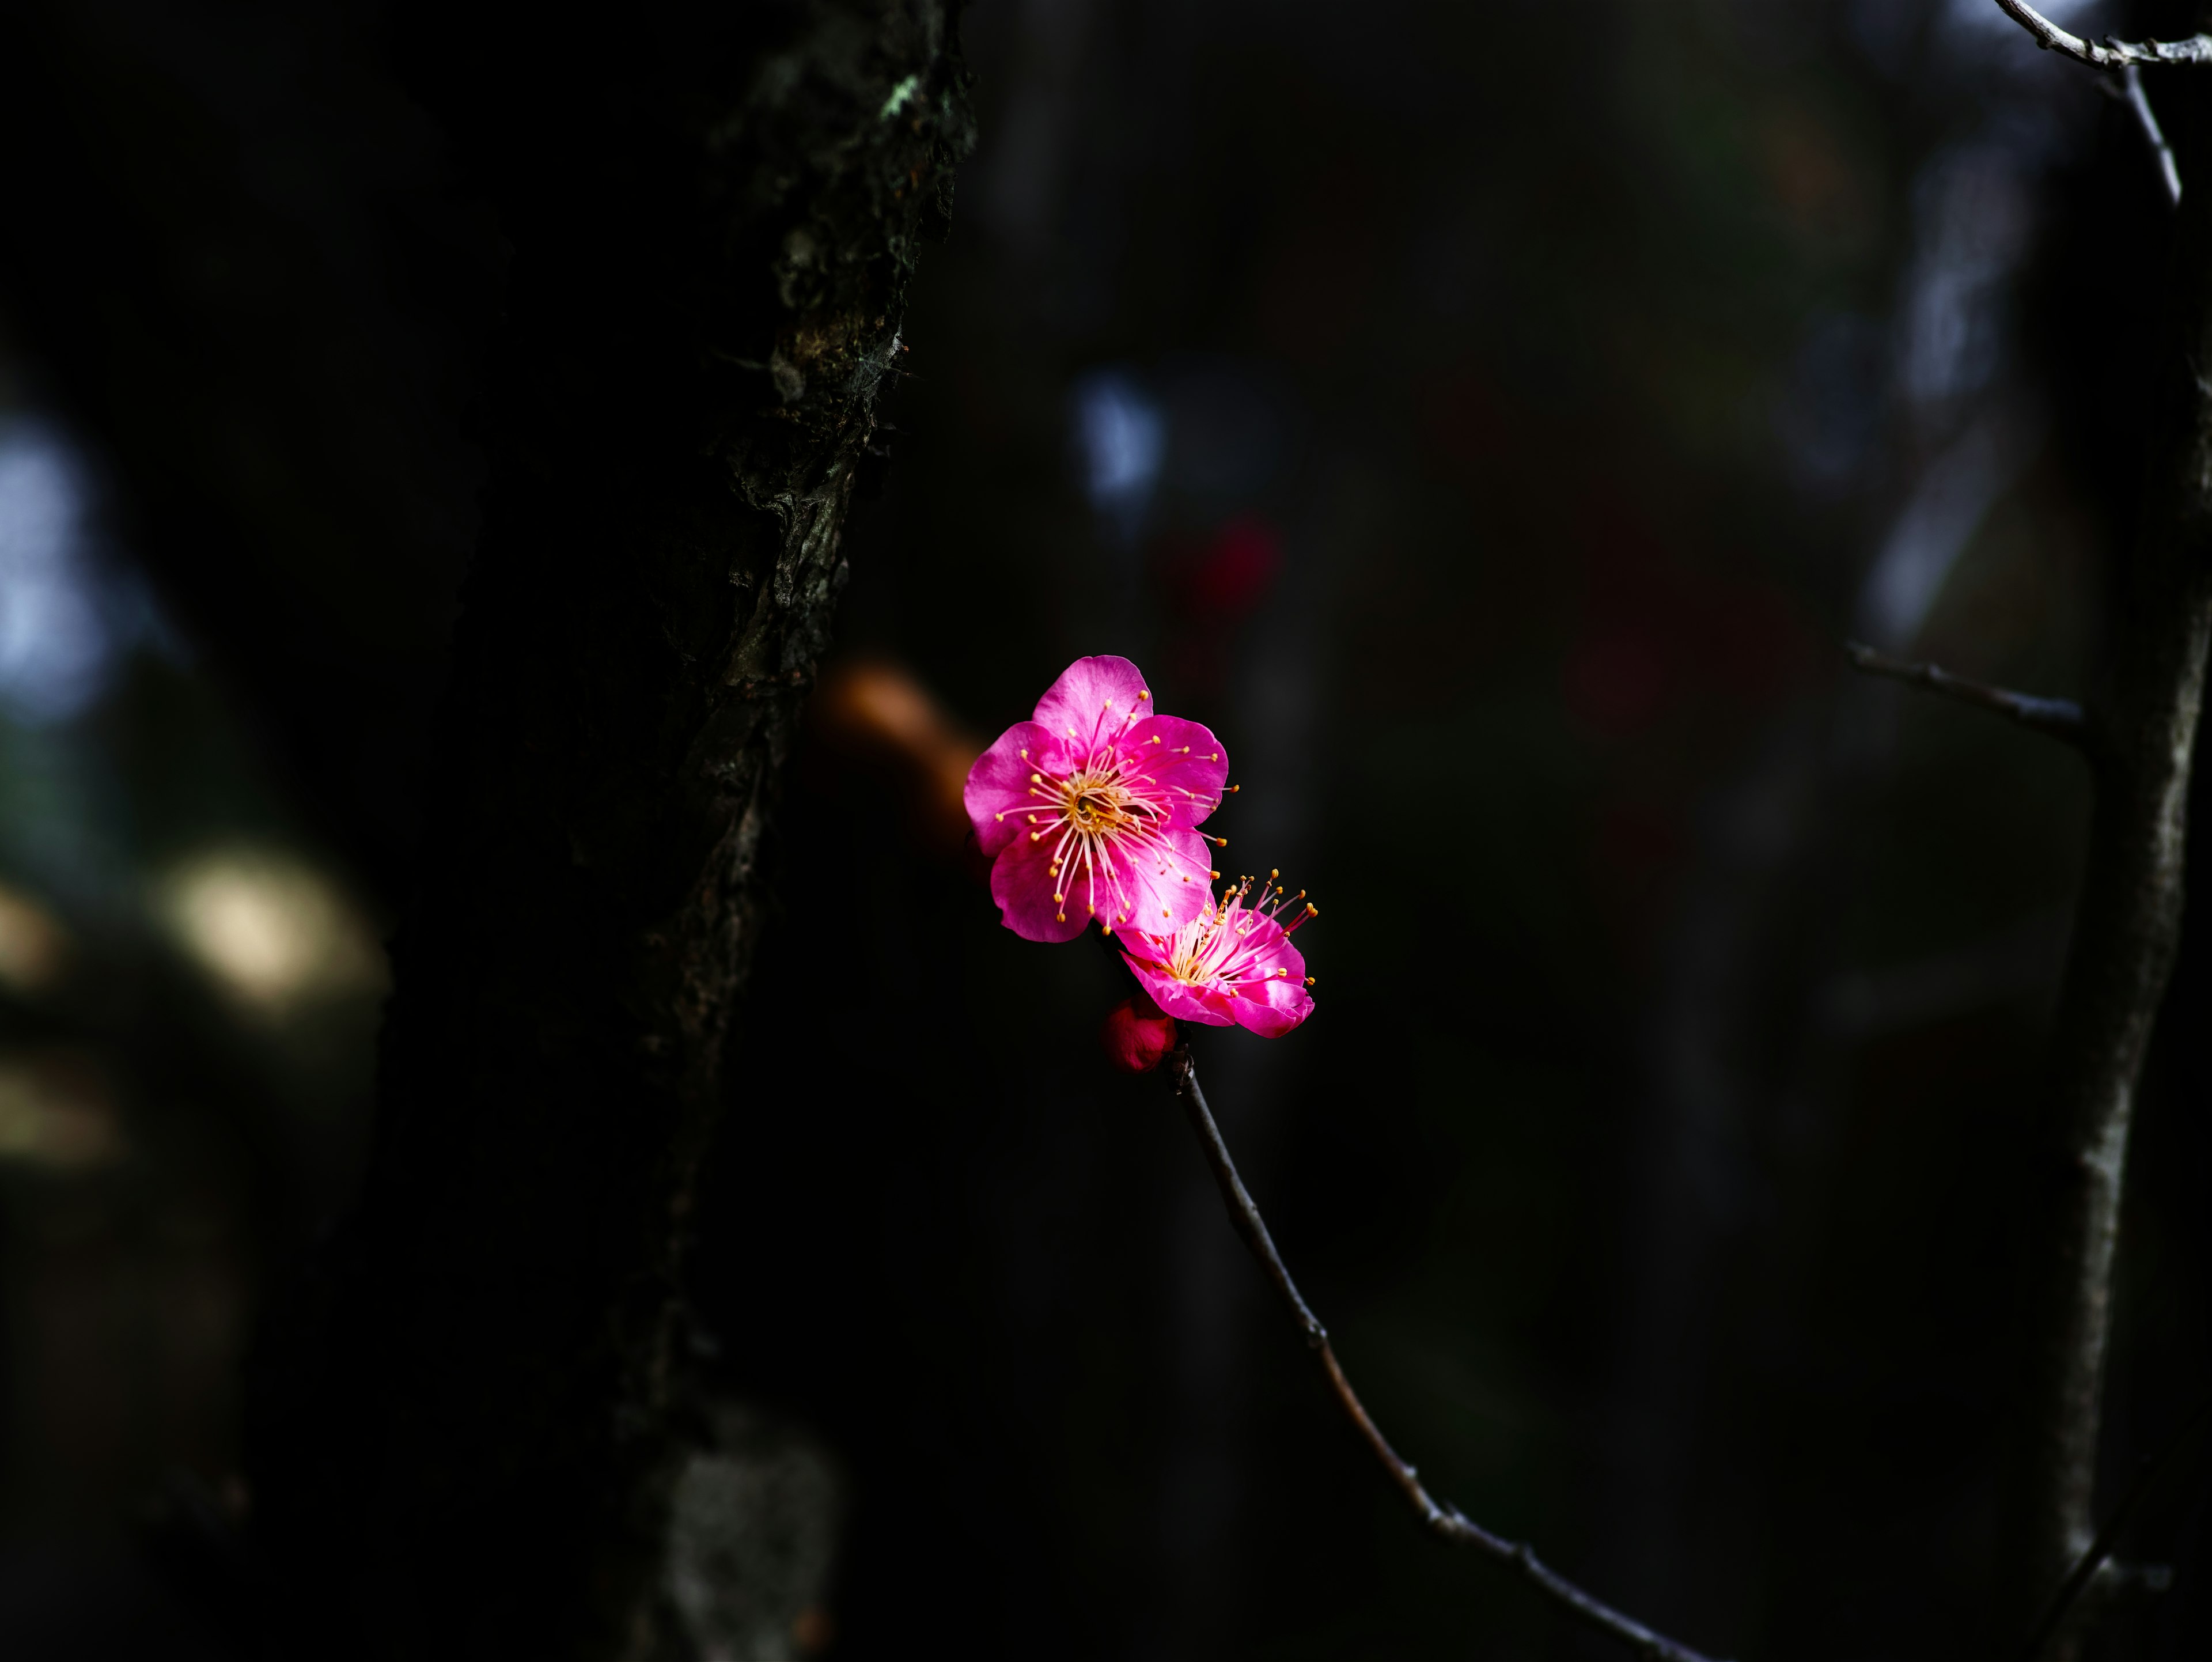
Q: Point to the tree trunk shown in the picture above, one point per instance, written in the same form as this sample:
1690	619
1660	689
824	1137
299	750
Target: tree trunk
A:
465	1438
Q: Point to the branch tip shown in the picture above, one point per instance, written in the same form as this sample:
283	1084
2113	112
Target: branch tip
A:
2056	718
1447	1521
2106	54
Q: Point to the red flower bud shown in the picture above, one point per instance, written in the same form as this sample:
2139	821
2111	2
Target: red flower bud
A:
1136	1035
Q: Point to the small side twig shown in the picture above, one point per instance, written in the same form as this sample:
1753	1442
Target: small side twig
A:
1447	1522
2058	718
2085	1568
2162	153
2105	54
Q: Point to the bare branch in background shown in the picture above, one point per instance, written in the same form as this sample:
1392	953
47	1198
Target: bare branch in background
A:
1447	1522
2060	718
2107	54
2162	153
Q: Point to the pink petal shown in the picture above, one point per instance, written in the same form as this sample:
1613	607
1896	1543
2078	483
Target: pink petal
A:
1271	1009
1021	883
1091	701
1179	998
1188	761
1162	887
997	793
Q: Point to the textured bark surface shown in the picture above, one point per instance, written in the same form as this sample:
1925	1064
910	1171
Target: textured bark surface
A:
464	1443
2127	922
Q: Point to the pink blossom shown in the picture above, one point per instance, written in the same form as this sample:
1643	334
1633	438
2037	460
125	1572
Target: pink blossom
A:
1088	808
1233	962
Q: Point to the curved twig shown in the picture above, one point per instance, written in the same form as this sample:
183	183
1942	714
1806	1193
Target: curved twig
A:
2058	718
2105	54
1448	1522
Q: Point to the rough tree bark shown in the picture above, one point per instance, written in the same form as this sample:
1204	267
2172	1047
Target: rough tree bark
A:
464	1439
2142	729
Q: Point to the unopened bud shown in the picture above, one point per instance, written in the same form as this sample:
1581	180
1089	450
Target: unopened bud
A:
1136	1034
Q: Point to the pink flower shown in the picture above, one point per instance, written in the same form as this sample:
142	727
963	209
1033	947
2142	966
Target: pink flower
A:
1231	962
1088	808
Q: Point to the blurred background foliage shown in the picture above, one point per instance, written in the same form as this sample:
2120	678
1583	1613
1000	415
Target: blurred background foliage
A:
1490	418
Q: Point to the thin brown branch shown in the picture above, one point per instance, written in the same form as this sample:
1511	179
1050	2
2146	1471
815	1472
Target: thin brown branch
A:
2107	1537
2105	54
1446	1521
2059	718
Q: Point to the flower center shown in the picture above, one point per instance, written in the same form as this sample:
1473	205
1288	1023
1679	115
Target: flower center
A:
1095	815
1095	803
1212	950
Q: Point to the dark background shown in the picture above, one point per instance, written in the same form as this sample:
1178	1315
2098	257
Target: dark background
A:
1490	418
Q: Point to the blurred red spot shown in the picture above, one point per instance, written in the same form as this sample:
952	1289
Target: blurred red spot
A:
1238	566
1617	681
1466	421
1636	845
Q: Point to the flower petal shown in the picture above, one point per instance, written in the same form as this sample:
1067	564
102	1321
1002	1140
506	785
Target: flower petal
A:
1179	998
1021	883
1183	759
997	793
1162	886
1091	700
1272	1007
